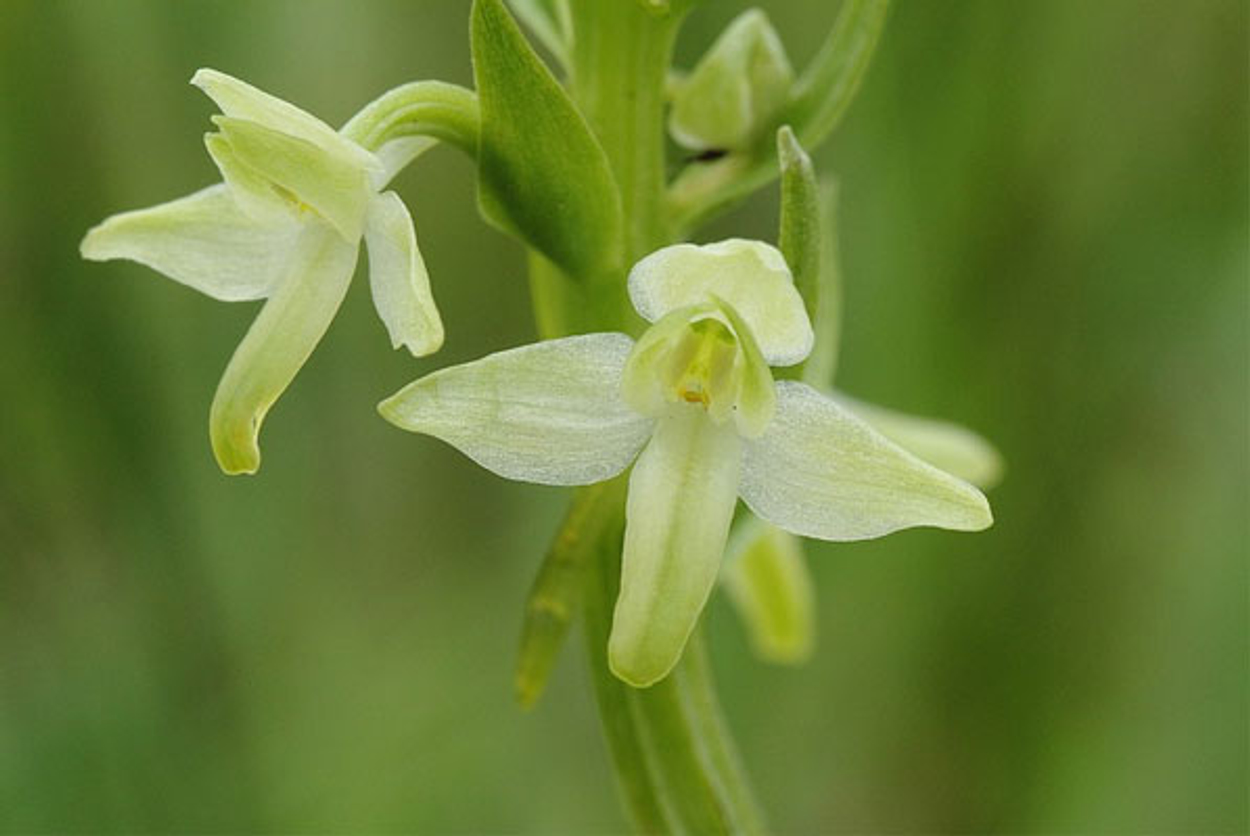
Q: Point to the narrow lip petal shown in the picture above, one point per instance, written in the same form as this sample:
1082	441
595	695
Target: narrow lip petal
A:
682	495
278	344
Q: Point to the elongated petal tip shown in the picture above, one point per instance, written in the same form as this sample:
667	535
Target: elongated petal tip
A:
235	448
636	665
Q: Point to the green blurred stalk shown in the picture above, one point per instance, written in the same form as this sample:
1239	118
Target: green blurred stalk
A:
676	764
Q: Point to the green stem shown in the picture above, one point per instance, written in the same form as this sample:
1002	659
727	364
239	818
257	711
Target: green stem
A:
675	761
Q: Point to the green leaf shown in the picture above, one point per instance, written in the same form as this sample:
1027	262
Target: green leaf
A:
808	240
542	175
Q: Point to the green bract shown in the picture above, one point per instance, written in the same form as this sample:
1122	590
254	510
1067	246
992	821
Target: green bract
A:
695	396
285	226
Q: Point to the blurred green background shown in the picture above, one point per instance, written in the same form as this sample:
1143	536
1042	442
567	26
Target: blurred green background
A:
1044	236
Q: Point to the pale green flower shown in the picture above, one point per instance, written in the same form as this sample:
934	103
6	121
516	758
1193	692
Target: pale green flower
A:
694	406
285	226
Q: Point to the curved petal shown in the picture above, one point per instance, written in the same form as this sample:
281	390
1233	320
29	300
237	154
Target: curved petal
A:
769	585
950	447
241	100
681	500
334	185
202	240
279	341
397	277
549	413
750	275
819	471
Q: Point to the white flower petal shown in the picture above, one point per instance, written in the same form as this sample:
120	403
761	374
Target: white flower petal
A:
333	185
682	494
750	275
820	471
202	240
397	276
549	413
280	340
241	100
946	446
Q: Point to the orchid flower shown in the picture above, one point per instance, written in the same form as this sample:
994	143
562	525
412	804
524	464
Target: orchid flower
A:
285	226
693	405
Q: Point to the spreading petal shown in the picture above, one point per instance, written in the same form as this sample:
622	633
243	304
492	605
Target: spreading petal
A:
397	276
681	501
819	471
750	275
944	445
550	412
769	585
202	240
333	184
241	100
294	319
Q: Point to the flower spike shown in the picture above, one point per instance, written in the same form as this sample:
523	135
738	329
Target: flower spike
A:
696	390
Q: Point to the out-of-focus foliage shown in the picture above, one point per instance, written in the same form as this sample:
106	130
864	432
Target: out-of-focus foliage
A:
1044	236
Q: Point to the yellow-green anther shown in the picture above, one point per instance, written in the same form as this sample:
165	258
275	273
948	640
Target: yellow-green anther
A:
737	89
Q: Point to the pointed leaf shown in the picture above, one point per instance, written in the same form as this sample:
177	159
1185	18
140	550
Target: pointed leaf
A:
944	445
278	343
769	585
549	413
542	175
682	494
397	277
202	240
821	472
